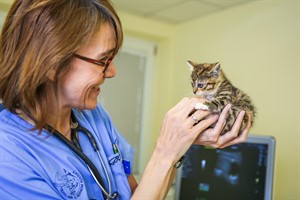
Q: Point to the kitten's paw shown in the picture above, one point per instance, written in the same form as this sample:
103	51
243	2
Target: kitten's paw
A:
201	106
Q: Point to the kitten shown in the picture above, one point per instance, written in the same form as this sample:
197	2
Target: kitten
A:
210	83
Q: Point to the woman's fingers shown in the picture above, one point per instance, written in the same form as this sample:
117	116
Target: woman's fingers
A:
222	119
180	126
197	116
241	137
211	136
233	133
205	123
184	125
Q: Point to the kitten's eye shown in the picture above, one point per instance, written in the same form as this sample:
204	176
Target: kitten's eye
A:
200	85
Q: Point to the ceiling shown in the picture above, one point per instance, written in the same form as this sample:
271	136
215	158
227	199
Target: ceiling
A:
175	11
170	11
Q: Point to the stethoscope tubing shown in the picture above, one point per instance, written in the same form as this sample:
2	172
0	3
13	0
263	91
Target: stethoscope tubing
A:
75	146
85	159
74	137
95	173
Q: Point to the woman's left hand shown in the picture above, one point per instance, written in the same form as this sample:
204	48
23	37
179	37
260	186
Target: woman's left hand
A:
211	137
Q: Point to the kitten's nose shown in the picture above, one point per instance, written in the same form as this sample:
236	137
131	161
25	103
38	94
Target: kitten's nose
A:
195	90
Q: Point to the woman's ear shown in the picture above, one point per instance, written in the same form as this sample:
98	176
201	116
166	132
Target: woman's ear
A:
51	74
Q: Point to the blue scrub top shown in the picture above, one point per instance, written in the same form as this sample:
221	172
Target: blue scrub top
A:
40	166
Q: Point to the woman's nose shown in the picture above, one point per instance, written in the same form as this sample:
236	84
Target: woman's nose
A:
110	71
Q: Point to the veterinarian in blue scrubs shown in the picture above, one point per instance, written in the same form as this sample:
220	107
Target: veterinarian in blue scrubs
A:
56	140
38	166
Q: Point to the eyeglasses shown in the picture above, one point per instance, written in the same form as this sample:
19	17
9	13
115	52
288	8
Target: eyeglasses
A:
103	62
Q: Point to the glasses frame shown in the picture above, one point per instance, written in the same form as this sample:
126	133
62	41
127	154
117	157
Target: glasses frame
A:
101	63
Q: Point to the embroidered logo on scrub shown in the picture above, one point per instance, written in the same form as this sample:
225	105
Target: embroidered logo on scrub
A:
70	184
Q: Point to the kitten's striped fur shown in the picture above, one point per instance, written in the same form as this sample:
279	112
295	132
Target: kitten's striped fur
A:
210	83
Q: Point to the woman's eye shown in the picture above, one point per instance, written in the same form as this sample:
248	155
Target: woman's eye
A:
200	85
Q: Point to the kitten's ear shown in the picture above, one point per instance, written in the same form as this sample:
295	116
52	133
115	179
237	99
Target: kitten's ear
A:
216	69
191	65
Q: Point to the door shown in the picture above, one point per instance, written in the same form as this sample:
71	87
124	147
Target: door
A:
125	95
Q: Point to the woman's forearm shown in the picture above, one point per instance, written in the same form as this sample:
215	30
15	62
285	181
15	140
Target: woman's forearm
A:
157	178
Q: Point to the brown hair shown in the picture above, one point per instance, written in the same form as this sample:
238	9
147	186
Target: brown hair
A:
42	36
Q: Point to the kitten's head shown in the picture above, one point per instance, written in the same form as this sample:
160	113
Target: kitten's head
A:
206	77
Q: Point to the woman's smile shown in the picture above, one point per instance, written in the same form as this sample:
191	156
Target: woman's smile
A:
96	89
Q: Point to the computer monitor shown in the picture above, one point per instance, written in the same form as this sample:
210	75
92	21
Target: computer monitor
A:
241	171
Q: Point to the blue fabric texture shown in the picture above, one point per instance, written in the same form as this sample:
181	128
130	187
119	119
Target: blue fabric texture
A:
1	107
40	166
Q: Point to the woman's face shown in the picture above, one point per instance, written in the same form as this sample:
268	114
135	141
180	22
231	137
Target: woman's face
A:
80	86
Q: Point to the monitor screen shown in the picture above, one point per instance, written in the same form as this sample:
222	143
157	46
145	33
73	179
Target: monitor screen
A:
242	171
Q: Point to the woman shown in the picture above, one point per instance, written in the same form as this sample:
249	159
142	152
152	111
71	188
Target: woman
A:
55	55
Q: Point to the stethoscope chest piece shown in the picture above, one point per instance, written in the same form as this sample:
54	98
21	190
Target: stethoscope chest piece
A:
114	195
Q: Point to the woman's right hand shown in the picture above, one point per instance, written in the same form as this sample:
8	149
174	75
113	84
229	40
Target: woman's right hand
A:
179	129
177	134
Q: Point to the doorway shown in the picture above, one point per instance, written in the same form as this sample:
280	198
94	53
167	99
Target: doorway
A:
128	94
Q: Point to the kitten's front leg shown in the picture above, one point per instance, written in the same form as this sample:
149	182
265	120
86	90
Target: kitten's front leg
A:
201	106
212	106
207	106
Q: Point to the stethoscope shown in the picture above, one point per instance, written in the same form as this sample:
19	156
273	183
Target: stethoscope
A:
75	146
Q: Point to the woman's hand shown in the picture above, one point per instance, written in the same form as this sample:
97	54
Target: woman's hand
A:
180	128
211	137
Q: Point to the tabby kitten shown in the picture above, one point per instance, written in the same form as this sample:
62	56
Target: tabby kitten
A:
210	83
